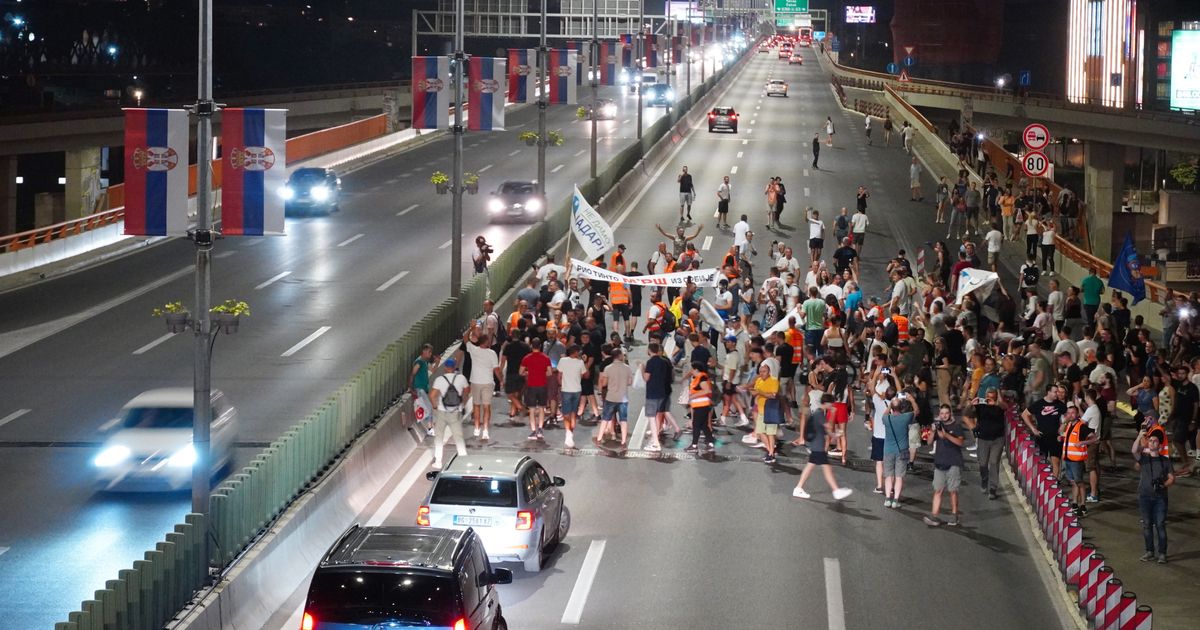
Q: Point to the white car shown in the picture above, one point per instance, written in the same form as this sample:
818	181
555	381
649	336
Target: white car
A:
149	446
777	87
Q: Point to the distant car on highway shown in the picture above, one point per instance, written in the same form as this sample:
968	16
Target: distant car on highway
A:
722	117
785	51
796	59
149	446
405	577
312	189
517	201
602	109
514	505
659	95
764	48
777	87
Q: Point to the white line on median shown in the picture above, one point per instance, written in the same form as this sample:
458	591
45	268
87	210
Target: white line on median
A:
733	171
557	168
583	584
273	280
514	153
4	549
5	420
408	209
639	429
150	346
225	254
752	121
707	243
834	606
740	154
350	240
807	192
445	245
579	152
745	142
393	280
806	172
304	342
489	166
389	504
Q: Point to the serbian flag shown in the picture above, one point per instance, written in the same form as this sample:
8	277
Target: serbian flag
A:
431	92
581	57
156	172
608	63
627	50
522	75
651	51
253	170
697	34
676	49
563	87
485	93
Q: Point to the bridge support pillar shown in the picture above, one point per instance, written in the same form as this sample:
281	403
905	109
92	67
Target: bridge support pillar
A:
83	183
1103	177
8	194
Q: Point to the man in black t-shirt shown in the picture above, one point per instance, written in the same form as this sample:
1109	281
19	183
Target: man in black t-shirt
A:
1043	418
1183	415
989	435
510	365
787	373
1070	373
845	257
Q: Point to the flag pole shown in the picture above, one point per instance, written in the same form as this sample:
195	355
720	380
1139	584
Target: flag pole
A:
456	216
543	60
595	67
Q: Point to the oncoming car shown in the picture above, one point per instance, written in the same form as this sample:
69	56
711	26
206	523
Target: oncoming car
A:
602	109
312	189
796	59
516	200
514	505
722	117
777	87
659	95
149	446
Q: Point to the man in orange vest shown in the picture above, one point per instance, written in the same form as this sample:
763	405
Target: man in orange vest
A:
617	260
901	323
620	299
1076	437
700	400
730	264
516	316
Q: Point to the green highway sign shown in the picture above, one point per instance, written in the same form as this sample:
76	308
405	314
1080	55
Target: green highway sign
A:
791	6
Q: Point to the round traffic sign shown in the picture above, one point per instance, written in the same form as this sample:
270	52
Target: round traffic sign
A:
1036	137
1035	163
892	68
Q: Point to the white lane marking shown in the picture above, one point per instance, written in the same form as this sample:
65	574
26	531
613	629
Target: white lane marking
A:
806	172
225	254
758	107
740	154
304	342
277	277
445	245
733	171
749	131
514	153
350	240
834	606
807	192
408	209
389	504
489	166
393	280
752	121
707	243
408	174
579	152
745	142
639	427
5	420
150	346
583	584
557	168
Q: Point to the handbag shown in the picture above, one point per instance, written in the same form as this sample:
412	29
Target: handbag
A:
773	411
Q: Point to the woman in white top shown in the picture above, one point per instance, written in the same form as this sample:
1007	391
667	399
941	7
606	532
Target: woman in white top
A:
829	130
1048	247
833	340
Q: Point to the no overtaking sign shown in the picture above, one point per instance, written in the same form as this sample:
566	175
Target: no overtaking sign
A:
1036	137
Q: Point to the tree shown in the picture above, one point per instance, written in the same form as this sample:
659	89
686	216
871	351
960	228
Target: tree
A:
1185	171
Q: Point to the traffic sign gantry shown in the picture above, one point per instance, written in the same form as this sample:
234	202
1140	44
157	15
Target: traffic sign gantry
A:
1036	137
1035	163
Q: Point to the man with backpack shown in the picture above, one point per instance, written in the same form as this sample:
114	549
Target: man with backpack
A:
448	392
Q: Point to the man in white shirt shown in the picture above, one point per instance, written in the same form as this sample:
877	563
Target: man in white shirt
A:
739	234
1065	344
1057	304
723	192
1087	344
994	239
787	263
816	233
485	367
792	291
812	278
858	229
571	369
446	415
549	266
659	257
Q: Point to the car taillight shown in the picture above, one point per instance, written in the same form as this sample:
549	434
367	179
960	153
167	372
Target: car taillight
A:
524	520
711	115
733	115
308	622
423	516
461	624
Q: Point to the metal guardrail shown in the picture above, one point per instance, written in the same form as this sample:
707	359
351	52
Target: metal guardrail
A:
245	505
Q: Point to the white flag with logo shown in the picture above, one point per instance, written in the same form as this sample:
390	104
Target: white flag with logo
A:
592	231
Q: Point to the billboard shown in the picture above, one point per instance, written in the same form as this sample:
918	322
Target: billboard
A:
1185	70
859	14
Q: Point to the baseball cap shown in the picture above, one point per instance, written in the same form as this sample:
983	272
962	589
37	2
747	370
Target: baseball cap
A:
450	363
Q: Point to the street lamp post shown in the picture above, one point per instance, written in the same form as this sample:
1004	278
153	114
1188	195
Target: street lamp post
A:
456	218
641	55
595	67
688	70
543	60
203	238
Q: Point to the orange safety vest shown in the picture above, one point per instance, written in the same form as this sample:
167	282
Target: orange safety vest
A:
670	267
901	326
732	263
655	324
795	339
617	257
1072	449
618	293
696	396
513	319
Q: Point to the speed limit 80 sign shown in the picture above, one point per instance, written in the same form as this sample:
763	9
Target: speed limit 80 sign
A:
1035	163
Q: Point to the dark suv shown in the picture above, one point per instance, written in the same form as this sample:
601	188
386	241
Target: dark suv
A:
394	577
722	118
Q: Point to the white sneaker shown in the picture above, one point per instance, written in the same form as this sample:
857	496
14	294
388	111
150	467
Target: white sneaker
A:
842	493
750	439
799	493
652	448
476	432
436	465
973	447
743	421
570	441
758	445
485	436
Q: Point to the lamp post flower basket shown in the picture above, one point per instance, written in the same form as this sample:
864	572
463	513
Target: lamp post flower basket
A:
471	180
175	314
581	113
228	314
528	137
441	181
555	138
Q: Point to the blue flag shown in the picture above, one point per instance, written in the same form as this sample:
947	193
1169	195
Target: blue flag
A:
1127	272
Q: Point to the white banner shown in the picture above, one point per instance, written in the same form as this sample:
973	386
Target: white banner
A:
592	231
701	277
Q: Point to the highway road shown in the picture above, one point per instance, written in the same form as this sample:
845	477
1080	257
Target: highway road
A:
87	343
674	541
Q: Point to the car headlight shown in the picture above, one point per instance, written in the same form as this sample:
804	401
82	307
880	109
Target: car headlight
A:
320	193
670	95
610	110
112	456
533	205
495	205
184	458
286	193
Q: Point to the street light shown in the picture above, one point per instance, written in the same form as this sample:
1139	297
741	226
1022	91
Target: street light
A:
137	95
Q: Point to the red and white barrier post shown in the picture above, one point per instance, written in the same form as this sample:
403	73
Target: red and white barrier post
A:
1073	551
1142	619
1109	597
1096	592
1121	612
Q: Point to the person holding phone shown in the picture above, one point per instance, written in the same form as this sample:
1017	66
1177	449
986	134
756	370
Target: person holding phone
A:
1155	476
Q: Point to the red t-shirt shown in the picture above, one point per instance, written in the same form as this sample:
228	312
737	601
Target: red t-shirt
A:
535	364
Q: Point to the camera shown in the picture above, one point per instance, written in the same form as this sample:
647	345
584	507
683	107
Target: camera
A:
1158	485
483	245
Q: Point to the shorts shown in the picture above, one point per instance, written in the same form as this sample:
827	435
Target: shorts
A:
763	428
914	183
818	458
618	409
570	402
816	243
535	397
481	393
1093	458
859	237
840	413
514	384
949	479
1049	445
746	309
553	387
812	338
656	406
876	449
992	257
1074	471
723	206
621	312
729	389
914	435
895	464
685	199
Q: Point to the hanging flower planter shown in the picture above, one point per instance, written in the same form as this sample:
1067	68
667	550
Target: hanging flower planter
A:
528	137
471	181
228	314
226	322
176	315
440	181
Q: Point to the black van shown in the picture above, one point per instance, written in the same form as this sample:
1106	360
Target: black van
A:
405	576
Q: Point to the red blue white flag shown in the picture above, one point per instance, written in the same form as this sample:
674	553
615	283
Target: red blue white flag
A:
253	170
581	57
156	172
431	97
608	63
522	75
485	93
651	51
562	76
627	50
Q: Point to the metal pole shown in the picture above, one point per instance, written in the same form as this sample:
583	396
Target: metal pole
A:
595	58
543	61
202	375
414	33
456	218
641	55
690	50
670	56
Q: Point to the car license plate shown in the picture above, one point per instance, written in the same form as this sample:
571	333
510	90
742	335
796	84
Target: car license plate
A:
473	521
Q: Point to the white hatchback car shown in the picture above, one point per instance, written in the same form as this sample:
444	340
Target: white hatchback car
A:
149	446
514	505
777	87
